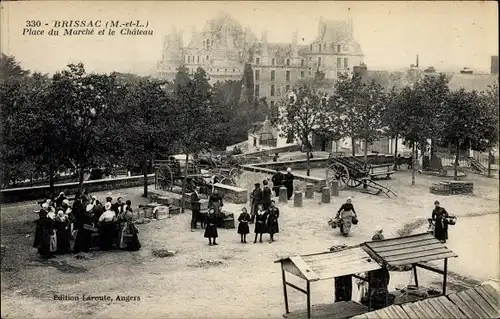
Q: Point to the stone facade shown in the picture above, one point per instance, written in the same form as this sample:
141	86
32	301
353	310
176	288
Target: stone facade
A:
223	48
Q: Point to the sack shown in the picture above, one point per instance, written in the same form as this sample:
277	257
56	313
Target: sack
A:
334	223
354	220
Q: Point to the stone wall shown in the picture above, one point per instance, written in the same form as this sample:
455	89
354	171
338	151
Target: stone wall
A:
13	195
272	151
316	181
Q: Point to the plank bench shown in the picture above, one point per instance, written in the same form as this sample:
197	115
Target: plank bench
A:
381	173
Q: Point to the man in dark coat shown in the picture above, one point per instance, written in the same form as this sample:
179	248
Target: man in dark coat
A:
289	182
277	180
195	208
256	197
266	195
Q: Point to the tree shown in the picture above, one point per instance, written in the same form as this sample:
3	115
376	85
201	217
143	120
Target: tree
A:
86	105
363	105
467	123
301	115
490	129
145	124
393	119
197	117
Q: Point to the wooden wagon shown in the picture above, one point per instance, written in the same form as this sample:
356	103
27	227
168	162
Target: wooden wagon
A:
350	172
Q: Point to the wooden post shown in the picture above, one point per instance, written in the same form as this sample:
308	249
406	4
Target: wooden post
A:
489	162
284	288
297	199
369	291
445	275
308	300
325	195
386	290
335	188
309	190
283	195
415	274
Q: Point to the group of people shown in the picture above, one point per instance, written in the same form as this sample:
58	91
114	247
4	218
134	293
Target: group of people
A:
60	224
265	219
279	179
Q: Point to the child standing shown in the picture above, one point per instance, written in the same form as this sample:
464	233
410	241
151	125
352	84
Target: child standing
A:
211	229
243	228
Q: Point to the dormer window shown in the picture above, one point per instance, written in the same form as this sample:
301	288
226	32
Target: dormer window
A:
338	47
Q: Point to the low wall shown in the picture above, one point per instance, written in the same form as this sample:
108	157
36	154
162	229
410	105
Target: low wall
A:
318	183
12	195
272	151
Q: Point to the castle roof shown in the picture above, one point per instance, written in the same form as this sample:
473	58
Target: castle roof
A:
333	31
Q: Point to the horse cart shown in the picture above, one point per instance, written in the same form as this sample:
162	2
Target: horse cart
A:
350	172
199	172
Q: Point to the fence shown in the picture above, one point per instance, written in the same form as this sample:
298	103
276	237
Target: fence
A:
464	162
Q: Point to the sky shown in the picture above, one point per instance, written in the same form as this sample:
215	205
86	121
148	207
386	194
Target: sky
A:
448	35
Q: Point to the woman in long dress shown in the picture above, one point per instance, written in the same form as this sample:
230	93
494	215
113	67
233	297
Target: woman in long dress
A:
439	217
130	240
43	233
260	223
107	228
288	182
346	213
63	233
211	229
272	221
243	228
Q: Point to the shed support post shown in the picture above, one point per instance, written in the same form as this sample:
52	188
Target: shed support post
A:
415	274
285	294
308	300
386	286
369	291
445	276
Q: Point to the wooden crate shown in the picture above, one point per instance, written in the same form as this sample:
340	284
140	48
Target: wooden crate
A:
174	210
228	223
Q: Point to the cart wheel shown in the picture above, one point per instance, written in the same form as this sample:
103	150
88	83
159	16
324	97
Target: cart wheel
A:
353	183
165	178
338	172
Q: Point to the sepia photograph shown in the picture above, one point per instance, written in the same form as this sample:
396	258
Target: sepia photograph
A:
249	159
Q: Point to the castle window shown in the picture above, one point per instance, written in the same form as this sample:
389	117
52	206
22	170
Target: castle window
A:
319	61
217	70
257	75
302	62
273	75
197	59
207	58
288	76
319	47
225	70
272	89
338	48
273	61
234	70
287	61
189	59
339	63
257	61
310	58
302	74
311	47
257	90
324	46
346	63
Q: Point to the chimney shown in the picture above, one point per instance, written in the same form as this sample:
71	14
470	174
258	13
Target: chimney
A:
350	27
417	61
263	37
294	38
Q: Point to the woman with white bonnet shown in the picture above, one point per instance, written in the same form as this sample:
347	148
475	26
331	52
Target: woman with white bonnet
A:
83	236
346	214
61	224
288	182
107	227
60	199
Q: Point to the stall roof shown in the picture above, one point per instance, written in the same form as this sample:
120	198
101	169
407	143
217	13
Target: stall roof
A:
407	250
328	265
477	302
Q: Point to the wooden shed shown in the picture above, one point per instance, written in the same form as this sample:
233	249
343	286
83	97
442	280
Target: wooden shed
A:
323	266
477	302
414	250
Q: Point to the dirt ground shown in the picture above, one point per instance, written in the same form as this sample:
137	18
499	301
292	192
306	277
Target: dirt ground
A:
234	280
